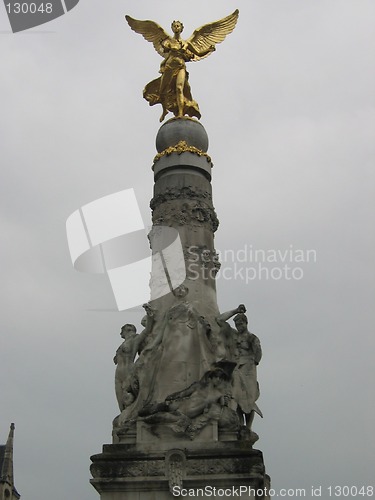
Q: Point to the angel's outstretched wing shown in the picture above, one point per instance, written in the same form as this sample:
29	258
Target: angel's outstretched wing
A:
203	40
151	31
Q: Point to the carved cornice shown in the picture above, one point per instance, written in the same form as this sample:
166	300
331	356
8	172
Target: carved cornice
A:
182	147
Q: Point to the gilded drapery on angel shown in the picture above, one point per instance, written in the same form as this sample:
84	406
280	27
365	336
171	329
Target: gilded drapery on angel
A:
172	89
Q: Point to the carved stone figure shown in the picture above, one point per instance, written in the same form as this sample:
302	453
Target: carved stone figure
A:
189	410
244	348
227	334
182	352
172	89
246	387
124	358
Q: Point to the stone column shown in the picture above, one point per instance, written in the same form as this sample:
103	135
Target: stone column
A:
183	427
183	201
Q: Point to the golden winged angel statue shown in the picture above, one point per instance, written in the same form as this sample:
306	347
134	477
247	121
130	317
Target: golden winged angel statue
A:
172	89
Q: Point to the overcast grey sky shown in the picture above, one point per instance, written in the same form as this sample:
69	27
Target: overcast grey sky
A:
288	104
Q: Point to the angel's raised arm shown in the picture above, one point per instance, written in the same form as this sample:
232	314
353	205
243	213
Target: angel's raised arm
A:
200	54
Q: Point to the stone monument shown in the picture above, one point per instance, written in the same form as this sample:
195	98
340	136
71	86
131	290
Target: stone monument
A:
187	402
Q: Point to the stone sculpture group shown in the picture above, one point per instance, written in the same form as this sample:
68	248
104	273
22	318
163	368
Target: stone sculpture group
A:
220	362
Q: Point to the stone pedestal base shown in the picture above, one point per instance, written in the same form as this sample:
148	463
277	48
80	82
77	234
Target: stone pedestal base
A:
128	472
